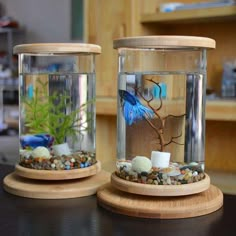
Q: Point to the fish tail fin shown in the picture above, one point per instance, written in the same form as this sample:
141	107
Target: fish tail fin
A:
145	112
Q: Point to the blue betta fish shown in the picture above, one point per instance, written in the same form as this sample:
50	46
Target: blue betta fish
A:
33	141
133	109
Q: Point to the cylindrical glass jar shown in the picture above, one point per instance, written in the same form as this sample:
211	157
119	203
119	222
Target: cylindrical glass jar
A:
57	105
161	108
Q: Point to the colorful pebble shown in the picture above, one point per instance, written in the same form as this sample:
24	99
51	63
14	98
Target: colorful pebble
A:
173	175
76	160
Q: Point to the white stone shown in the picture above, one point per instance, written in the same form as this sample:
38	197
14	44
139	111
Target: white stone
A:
160	159
203	167
164	176
61	149
168	181
53	165
41	152
193	164
141	164
124	165
25	153
180	177
174	172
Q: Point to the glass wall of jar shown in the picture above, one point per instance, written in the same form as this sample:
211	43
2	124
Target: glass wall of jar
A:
161	108
57	105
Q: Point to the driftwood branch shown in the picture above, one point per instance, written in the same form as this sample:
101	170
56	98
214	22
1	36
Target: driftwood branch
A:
159	130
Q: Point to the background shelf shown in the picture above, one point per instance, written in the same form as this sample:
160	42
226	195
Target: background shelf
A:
224	110
190	16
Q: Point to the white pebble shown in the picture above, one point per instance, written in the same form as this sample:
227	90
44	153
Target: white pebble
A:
165	176
141	164
41	152
193	164
174	172
126	166
53	165
180	177
25	153
168	181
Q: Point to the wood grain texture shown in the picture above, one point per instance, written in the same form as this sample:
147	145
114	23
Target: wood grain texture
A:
58	174
106	106
163	41
224	110
160	190
220	146
192	15
114	19
160	207
42	189
57	48
106	140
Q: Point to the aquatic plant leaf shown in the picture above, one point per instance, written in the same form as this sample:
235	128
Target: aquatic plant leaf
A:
52	114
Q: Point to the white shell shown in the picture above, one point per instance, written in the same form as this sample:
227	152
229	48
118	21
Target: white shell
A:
141	164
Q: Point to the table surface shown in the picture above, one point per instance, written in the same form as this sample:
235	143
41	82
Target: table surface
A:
83	216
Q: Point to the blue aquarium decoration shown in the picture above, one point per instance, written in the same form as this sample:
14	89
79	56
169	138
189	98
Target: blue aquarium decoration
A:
33	141
133	109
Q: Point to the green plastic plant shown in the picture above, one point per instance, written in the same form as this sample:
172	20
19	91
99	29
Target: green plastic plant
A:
46	113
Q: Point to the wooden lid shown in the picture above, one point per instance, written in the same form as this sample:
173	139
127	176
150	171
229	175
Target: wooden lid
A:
164	42
57	48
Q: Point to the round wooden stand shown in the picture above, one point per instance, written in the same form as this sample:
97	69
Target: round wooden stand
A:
160	207
58	174
50	184
160	190
49	189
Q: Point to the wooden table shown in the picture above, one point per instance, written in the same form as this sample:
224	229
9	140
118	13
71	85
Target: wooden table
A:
82	216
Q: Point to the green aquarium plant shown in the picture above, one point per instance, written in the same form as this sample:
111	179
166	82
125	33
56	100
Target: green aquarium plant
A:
52	114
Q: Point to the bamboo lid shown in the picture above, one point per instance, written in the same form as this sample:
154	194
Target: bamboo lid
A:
57	48
164	41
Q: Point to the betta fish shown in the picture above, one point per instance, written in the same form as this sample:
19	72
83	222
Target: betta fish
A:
33	141
133	109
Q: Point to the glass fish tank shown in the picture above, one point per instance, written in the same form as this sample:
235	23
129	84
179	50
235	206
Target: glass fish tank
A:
161	109
57	88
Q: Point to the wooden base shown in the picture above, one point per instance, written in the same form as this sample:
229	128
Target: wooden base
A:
57	174
160	190
160	207
62	189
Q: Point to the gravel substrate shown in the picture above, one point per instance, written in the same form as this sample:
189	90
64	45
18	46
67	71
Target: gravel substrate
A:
175	174
77	160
